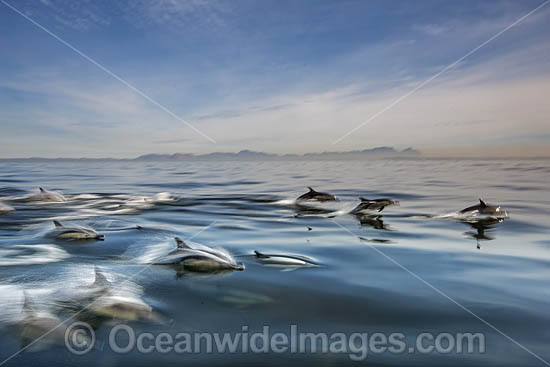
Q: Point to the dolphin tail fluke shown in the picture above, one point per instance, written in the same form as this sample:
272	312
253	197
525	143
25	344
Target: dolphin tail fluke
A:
57	224
180	243
260	255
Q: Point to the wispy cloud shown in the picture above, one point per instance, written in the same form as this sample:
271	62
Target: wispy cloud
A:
274	77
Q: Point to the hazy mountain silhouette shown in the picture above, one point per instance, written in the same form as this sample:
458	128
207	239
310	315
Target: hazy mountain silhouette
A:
378	152
250	155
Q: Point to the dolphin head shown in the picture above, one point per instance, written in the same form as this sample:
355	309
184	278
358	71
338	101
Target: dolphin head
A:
492	210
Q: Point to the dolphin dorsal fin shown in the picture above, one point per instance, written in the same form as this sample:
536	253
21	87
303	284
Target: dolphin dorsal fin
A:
41	189
311	189
27	302
100	279
363	199
57	224
260	255
482	203
180	243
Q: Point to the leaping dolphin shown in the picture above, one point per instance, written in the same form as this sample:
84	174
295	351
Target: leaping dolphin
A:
313	195
200	259
74	232
284	260
45	195
368	205
484	208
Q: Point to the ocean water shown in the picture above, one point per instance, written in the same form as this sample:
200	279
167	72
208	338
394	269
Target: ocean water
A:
410	269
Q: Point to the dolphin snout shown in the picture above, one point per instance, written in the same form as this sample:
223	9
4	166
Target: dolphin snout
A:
240	267
101	237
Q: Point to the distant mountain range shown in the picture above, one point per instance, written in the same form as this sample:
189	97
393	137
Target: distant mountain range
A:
249	155
379	152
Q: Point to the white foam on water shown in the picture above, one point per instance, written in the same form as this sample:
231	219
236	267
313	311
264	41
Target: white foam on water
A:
31	254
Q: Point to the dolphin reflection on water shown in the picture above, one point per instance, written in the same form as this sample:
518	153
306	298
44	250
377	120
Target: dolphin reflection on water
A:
482	228
199	258
373	221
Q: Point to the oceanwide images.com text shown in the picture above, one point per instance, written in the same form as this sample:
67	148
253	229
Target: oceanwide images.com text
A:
80	339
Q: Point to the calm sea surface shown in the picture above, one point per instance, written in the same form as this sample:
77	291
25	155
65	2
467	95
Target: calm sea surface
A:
410	269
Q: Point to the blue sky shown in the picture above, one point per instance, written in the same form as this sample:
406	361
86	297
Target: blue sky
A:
280	76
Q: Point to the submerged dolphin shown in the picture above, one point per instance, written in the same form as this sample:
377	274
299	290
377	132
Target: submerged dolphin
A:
284	260
484	208
368	205
312	195
200	259
5	208
41	325
74	232
44	195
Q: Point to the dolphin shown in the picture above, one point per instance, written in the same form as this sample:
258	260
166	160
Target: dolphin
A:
122	307
313	195
44	195
484	208
284	260
4	209
86	294
102	300
100	286
368	205
74	232
44	325
200	259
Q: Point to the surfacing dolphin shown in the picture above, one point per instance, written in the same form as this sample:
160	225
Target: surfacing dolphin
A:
200	259
45	195
104	300
284	260
123	308
74	232
485	209
313	195
368	205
